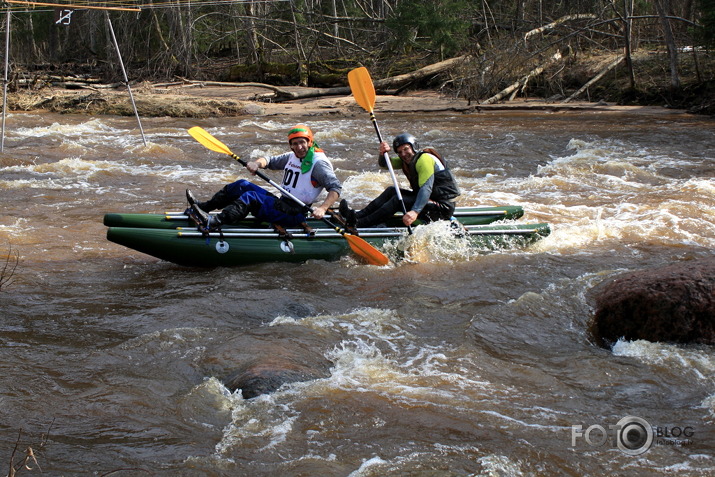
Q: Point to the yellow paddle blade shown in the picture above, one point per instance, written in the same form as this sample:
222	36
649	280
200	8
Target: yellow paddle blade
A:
362	88
372	255
209	141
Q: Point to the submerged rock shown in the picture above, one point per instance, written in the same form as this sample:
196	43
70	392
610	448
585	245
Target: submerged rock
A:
260	361
673	304
266	374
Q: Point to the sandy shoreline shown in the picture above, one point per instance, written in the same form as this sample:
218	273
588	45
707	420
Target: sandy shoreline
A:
220	101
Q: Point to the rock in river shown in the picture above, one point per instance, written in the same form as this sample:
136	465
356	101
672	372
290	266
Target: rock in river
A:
674	304
259	361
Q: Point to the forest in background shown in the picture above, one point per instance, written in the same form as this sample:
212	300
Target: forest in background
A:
628	51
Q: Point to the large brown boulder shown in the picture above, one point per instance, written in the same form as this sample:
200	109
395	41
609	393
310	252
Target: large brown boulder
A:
673	304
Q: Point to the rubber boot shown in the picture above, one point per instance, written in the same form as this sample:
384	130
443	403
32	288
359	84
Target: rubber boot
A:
347	214
234	212
219	200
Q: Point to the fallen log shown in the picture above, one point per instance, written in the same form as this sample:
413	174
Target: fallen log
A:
600	75
420	74
279	94
384	85
554	24
523	81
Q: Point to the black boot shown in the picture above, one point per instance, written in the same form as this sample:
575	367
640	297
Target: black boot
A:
347	213
190	198
219	200
192	203
205	223
234	212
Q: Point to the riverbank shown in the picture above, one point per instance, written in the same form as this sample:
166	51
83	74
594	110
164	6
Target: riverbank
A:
199	101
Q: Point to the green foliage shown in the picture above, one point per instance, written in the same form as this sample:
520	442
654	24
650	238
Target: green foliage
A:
706	34
439	26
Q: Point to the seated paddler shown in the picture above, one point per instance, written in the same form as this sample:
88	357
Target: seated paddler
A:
307	172
433	187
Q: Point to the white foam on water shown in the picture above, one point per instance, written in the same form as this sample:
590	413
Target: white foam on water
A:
709	404
417	462
211	393
359	188
500	465
265	421
692	467
96	127
268	419
436	242
379	354
700	362
604	194
74	172
17	225
368	465
86	135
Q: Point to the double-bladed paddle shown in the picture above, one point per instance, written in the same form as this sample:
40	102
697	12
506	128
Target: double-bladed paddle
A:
358	245
364	93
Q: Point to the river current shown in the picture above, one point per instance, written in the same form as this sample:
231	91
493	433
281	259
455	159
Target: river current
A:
452	362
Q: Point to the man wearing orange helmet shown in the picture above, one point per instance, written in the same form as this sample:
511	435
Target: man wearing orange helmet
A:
306	173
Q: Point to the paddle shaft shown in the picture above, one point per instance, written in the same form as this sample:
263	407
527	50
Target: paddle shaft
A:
392	171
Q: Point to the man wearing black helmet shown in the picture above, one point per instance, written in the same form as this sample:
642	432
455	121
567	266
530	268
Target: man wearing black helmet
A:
433	187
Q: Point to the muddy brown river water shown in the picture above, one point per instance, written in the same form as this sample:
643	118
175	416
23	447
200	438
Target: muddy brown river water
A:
455	362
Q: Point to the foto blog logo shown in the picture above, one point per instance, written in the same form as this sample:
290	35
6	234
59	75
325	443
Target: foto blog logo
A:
632	435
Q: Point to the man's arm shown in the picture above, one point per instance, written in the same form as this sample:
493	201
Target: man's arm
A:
319	212
273	162
325	176
385	152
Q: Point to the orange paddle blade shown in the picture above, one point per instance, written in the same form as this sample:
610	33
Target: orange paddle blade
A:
362	88
372	255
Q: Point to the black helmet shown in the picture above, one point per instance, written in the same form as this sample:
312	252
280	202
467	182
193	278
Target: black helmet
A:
405	138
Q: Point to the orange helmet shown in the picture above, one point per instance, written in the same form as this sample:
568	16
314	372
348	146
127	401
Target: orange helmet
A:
301	130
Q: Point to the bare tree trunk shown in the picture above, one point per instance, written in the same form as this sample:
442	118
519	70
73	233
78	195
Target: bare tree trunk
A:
486	19
252	34
335	22
519	17
628	28
188	38
301	59
33	44
422	73
663	6
159	33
